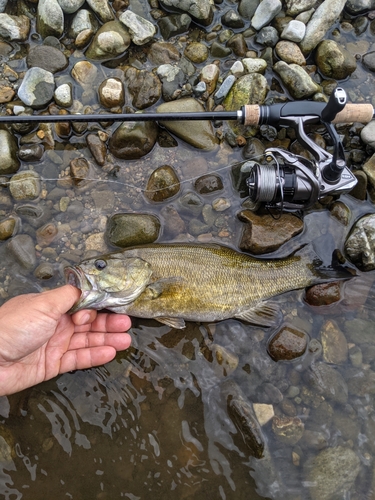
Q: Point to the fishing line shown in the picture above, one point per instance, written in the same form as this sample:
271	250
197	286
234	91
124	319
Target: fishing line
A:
86	181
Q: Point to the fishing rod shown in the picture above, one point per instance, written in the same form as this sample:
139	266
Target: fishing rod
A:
286	181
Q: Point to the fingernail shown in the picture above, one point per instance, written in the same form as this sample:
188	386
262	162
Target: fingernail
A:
86	318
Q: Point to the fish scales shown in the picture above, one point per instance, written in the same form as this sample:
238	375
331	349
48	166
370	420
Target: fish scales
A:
191	282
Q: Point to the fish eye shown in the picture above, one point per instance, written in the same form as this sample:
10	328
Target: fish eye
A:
100	264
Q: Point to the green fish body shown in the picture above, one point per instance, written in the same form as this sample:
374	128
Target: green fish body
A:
204	283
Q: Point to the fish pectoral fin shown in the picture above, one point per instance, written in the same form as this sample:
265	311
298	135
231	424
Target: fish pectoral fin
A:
263	314
178	323
154	290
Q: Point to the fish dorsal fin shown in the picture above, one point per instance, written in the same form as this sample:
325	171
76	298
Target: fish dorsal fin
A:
178	323
265	314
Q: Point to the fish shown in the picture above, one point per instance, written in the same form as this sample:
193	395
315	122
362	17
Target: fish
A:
178	282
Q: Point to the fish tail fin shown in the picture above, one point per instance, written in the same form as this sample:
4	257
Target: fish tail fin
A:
320	271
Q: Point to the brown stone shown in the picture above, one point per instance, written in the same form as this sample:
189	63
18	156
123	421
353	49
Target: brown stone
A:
323	294
287	344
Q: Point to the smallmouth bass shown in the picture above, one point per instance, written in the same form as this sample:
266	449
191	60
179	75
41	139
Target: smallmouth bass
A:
204	283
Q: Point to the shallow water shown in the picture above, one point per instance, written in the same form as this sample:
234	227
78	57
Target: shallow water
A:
154	422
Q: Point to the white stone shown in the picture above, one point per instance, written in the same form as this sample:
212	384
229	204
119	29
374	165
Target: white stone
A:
263	412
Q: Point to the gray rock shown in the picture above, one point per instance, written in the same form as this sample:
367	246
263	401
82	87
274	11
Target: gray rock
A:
356	7
295	7
132	140
265	12
294	31
224	88
37	88
14	28
172	78
332	473
8	153
368	134
141	31
369	60
50	18
70	6
32	152
232	19
199	134
3	4
267	36
126	229
323	18
173	25
247	8
46	57
22	248
360	244
296	80
64	95
200	10
83	20
102	10
328	382
163	53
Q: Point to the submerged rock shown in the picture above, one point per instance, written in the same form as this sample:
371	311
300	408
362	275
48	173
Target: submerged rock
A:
360	244
334	61
110	41
125	230
37	88
8	153
132	140
162	184
288	343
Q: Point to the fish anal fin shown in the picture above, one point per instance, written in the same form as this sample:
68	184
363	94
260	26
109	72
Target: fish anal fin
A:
263	314
177	323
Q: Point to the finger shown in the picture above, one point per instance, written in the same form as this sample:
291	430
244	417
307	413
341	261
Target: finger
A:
110	322
58	301
119	341
80	359
84	317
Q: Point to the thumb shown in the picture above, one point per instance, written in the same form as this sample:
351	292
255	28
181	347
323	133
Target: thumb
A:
60	300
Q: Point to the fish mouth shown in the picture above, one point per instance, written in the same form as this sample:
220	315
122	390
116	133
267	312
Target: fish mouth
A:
76	277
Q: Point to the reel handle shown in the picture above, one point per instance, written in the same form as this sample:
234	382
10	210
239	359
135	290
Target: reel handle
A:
277	114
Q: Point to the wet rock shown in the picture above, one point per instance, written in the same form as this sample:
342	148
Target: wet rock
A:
46	57
323	18
102	9
104	200
97	148
25	185
254	65
237	44
335	346
84	73
109	42
34	152
360	244
295	7
208	184
369	60
174	25
111	93
190	204
242	415
219	51
46	234
23	250
172	78
341	212
8	153
263	412
79	170
249	89
8	227
288	430
37	88
71	6
200	10
288	343
296	80
265	12
44	271
290	53
84	25
132	140
247	8
323	294
173	224
224	88
263	234
334	61
232	19
328	382
125	229
163	53
64	95
196	52
294	31
198	133
34	214
162	184
210	75
50	18
331	473
360	331
368	134
141	31
144	86
14	28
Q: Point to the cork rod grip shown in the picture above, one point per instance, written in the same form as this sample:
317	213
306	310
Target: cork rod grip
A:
251	114
362	113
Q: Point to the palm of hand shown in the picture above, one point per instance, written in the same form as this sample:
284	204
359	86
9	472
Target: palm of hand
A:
38	340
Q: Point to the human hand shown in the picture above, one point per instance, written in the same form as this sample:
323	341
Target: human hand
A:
39	340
